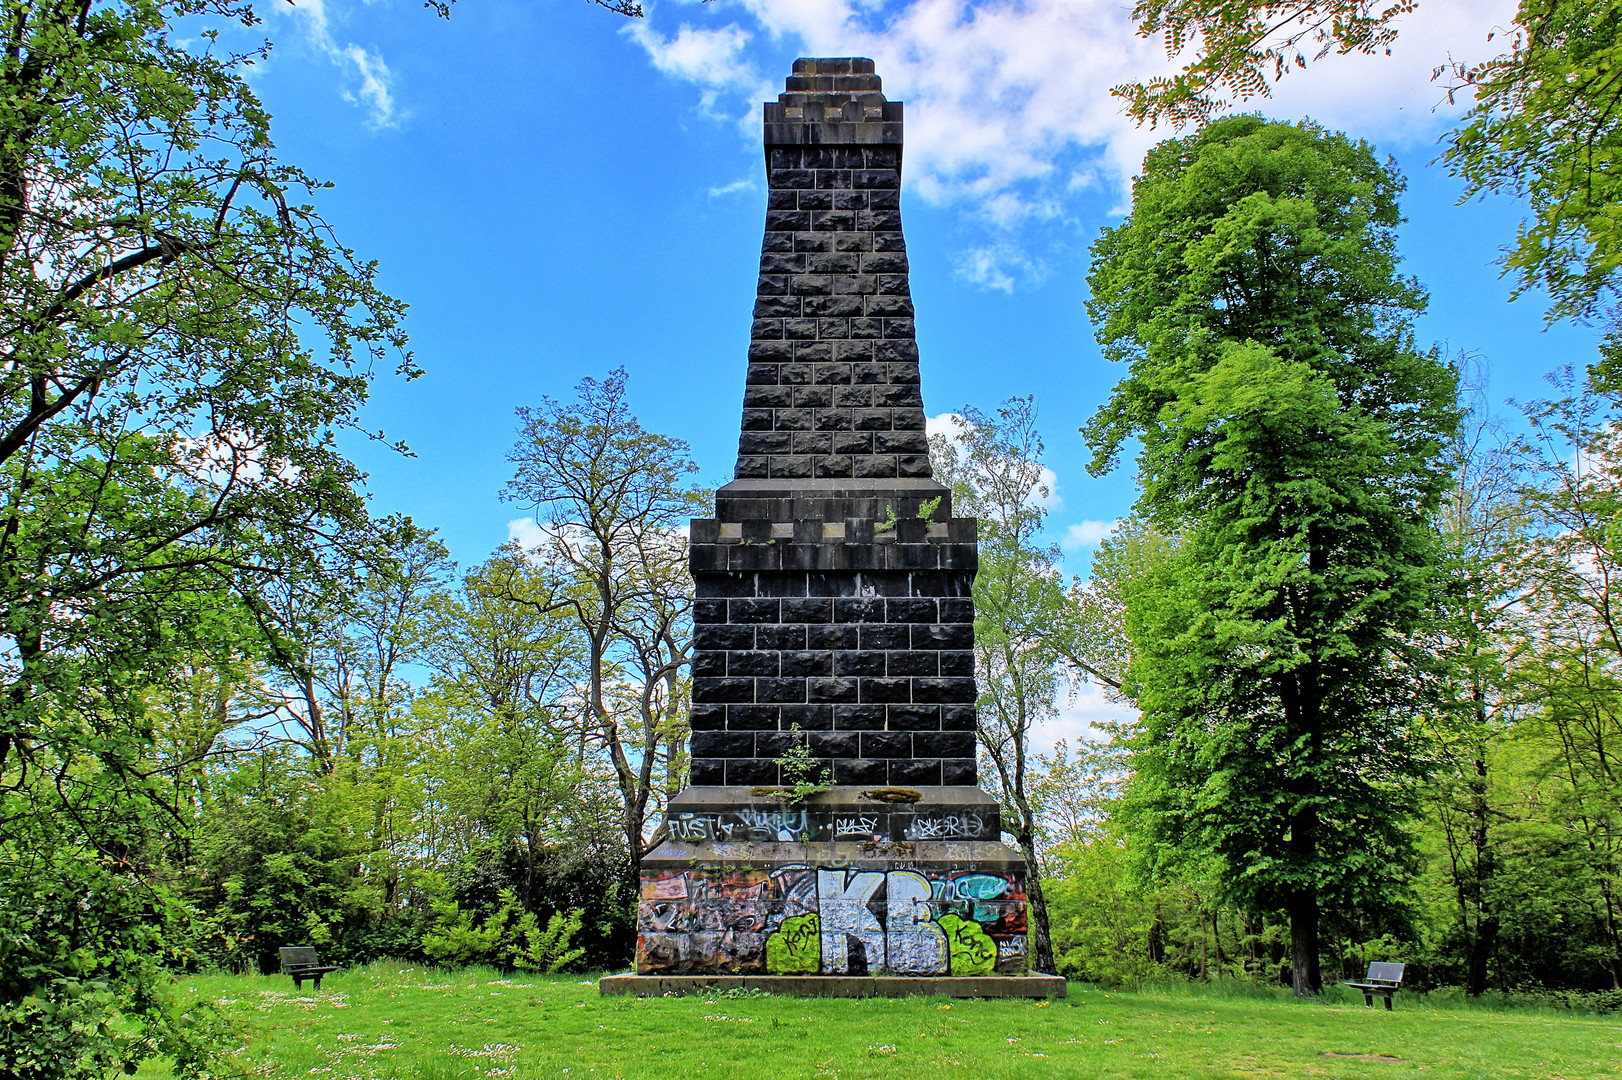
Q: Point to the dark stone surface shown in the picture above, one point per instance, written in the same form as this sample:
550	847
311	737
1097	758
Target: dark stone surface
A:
833	292
834	586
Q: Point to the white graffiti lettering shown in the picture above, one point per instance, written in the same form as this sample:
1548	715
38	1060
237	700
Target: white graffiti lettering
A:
843	901
913	944
947	827
856	826
745	824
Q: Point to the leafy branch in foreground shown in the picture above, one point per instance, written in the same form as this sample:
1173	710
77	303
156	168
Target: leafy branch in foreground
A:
1242	45
1547	127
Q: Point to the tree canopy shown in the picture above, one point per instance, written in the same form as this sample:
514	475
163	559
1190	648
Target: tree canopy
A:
183	341
1291	437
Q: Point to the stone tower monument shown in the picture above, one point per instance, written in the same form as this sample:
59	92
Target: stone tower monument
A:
834	623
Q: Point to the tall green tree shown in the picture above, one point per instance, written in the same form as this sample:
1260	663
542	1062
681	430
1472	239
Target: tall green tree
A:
1543	124
1292	438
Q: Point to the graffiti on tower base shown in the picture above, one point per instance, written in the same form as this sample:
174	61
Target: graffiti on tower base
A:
806	920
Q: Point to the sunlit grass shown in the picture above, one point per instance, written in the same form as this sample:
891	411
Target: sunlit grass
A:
390	1021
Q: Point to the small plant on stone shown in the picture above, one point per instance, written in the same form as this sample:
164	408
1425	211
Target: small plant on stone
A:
926	509
889	521
803	775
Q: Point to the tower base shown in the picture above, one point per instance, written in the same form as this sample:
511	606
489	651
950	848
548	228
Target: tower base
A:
869	885
844	986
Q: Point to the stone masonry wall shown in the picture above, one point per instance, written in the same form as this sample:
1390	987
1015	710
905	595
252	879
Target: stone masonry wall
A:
834	611
863	640
834	587
880	683
832	387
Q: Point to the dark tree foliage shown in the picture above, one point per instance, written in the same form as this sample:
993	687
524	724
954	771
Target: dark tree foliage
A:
1291	436
591	877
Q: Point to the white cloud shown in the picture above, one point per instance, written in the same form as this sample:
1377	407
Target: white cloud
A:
1009	111
711	58
1049	480
1393	99
947	423
1080	719
373	82
527	532
1082	535
746	184
375	85
998	266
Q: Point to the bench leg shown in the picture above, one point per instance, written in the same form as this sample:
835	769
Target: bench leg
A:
1368	999
298	983
318	990
1388	1003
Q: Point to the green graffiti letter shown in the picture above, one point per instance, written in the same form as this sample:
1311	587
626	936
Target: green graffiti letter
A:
796	947
972	951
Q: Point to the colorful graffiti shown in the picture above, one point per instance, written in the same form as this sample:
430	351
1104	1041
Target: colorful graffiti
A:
796	947
800	920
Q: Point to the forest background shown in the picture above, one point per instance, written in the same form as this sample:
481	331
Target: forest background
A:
243	709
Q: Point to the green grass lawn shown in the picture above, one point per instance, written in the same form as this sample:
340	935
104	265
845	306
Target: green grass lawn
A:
390	1021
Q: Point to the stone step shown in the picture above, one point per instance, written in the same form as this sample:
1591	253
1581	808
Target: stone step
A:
850	986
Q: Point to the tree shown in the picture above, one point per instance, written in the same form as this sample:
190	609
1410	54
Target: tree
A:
1545	128
1292	439
994	467
1091	634
183	340
612	501
1572	675
1241	43
513	804
1477	636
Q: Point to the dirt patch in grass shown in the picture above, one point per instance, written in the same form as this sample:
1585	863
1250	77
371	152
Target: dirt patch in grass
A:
1361	1057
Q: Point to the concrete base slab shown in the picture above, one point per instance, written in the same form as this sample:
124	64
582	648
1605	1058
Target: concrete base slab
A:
850	986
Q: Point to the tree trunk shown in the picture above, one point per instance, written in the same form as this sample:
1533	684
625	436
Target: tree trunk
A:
1482	944
1037	905
1305	978
1485	939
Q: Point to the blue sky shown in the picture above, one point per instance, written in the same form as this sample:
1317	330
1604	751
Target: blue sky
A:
557	191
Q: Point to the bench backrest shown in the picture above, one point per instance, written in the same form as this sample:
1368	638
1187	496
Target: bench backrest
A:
298	956
1385	973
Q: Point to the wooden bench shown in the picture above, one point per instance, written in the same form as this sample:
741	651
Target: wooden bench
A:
299	961
1383	979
